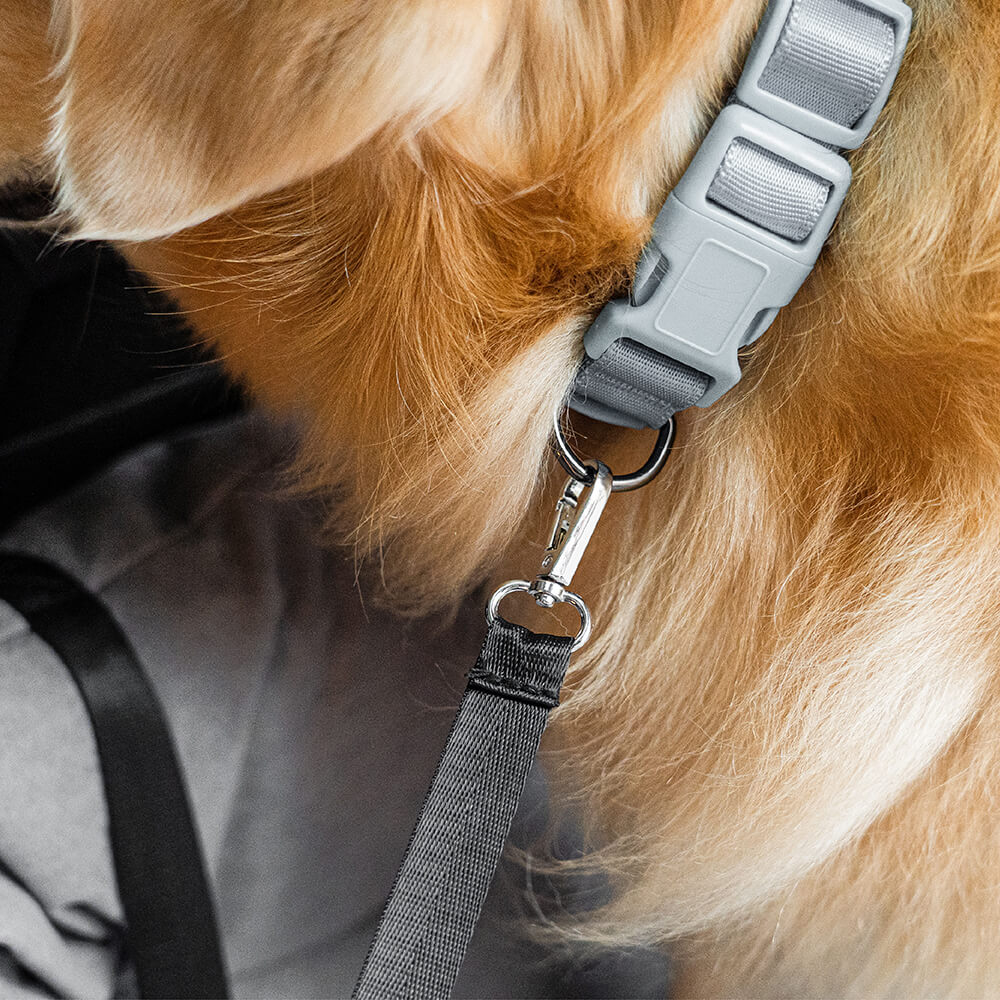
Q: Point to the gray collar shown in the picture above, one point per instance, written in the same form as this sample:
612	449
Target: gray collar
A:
744	226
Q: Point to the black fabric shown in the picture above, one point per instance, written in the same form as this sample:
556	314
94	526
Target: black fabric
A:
171	933
92	363
456	846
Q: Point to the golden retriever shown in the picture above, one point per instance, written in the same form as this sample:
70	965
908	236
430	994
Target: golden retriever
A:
396	218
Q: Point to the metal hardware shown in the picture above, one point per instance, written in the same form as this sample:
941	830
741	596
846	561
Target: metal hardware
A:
578	509
581	470
577	513
492	609
567	457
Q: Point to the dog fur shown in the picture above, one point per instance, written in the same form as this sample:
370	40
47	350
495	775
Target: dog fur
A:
396	217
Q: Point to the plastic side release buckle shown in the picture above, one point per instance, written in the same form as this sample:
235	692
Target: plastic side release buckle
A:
725	277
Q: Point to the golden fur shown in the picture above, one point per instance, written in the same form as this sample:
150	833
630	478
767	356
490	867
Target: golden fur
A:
395	218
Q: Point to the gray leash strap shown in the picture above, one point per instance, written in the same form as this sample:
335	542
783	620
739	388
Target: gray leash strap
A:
454	851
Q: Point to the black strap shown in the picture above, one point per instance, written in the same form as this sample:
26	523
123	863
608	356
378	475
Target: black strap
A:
455	848
171	932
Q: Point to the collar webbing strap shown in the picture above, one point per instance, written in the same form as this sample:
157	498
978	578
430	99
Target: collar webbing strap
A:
745	224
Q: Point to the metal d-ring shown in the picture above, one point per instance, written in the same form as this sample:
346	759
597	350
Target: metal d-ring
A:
584	470
568	597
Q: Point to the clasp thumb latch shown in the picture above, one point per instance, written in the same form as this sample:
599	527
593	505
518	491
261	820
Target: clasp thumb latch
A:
577	512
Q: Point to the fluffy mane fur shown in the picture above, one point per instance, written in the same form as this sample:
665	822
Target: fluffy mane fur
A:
396	218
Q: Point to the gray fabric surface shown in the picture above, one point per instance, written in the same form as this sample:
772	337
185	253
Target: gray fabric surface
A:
831	58
307	721
768	190
632	379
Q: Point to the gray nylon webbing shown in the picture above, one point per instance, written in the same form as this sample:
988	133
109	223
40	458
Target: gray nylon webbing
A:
832	58
772	192
633	379
442	882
